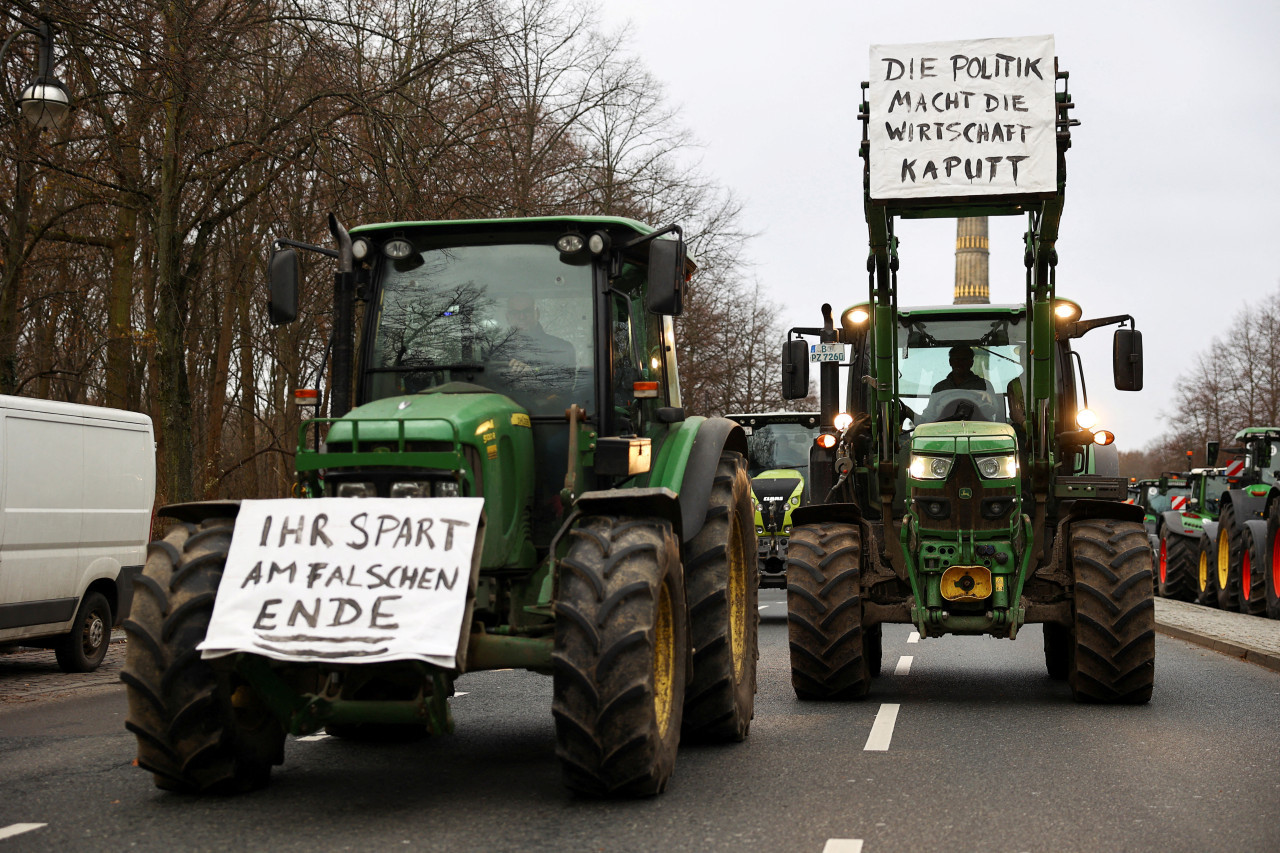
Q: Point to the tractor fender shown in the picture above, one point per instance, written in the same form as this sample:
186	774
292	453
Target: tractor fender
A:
1245	504
818	513
1211	531
1173	522
194	512
1091	508
1258	527
715	436
658	502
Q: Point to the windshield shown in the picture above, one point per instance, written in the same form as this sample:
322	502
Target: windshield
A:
779	446
1158	502
962	368
1214	486
513	318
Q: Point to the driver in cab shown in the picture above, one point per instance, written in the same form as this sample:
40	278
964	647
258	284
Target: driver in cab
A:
962	377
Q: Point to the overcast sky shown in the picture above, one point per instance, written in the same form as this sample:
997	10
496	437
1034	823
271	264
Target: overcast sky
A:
1173	188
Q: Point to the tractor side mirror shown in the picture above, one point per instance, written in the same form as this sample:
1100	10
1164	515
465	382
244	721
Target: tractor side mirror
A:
283	274
1126	359
1211	454
795	369
666	277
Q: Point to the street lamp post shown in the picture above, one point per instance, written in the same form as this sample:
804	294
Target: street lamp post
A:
45	101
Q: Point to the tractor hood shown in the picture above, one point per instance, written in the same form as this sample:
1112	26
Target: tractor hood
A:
458	413
964	437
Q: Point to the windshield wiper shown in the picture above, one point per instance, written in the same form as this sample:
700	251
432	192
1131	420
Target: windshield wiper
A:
997	354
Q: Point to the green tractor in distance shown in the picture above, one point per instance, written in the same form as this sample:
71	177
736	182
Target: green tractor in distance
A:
1247	558
969	508
523	370
1187	530
1157	496
778	445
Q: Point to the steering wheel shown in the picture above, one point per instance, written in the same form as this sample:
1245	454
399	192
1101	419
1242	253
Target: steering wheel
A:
960	405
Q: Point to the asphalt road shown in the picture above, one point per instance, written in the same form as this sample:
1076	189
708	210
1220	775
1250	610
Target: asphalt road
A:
985	754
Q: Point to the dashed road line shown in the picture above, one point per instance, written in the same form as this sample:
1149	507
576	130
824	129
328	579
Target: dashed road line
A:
762	607
904	665
19	828
882	728
320	736
843	845
914	638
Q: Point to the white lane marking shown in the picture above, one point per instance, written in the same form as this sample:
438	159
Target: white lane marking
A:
762	607
914	638
882	728
904	665
459	693
843	845
320	736
19	828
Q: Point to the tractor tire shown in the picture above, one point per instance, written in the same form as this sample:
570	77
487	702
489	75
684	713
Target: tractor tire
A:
199	729
1206	593
1271	569
85	645
1177	566
1058	645
621	657
722	587
1113	657
1228	559
1253	569
824	612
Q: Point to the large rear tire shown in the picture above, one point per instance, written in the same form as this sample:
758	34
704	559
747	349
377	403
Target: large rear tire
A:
1177	566
620	658
85	645
1228	559
1253	569
1113	659
1206	573
199	729
1271	571
722	585
824	612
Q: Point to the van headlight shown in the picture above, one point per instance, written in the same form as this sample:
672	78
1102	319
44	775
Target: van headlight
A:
930	467
1002	467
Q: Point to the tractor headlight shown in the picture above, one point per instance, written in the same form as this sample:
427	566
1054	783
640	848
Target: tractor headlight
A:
1086	419
1001	467
411	489
930	467
357	490
843	421
795	501
445	488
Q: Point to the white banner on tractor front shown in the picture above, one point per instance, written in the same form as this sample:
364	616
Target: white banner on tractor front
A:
349	580
963	118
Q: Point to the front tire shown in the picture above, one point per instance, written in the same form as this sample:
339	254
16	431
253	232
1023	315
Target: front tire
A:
1253	571
722	584
620	658
85	645
199	729
1228	559
824	612
1177	566
1206	573
1271	569
1113	659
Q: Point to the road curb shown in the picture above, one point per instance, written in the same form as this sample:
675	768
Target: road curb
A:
1225	647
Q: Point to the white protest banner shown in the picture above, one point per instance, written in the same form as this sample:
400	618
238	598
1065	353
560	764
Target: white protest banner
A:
346	580
963	118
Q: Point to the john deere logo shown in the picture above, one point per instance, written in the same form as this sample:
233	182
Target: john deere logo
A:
965	494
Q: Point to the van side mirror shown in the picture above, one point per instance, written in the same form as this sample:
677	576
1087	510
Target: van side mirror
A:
1211	454
283	274
666	277
1126	359
795	369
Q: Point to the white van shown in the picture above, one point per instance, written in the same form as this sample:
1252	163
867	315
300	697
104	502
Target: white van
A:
77	485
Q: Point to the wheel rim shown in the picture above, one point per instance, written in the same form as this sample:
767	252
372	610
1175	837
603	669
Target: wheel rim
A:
94	632
1164	561
1246	569
737	591
664	652
1224	558
1275	564
1204	571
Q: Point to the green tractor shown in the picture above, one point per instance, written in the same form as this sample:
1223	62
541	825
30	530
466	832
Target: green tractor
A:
517	412
1157	496
1187	529
778	461
1247	557
964	499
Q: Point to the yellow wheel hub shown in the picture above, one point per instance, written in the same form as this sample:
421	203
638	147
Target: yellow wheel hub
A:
737	592
1204	571
1224	558
664	653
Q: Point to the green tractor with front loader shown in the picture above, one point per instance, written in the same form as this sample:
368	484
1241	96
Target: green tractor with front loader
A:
1247	556
778	445
515	486
963	499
